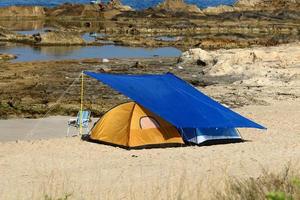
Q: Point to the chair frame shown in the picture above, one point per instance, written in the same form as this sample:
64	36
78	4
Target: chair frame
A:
75	122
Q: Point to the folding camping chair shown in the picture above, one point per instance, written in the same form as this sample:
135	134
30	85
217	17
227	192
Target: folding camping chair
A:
76	122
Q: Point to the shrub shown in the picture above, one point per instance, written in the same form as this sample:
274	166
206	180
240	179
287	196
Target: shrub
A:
270	186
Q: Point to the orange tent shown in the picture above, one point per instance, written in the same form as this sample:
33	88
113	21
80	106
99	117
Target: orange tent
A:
131	125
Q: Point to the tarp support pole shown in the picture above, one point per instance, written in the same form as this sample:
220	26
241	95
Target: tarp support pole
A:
81	105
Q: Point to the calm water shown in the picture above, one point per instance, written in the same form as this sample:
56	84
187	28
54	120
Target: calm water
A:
169	38
137	4
35	31
88	37
27	53
108	50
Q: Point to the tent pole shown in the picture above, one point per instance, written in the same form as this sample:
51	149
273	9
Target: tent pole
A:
81	104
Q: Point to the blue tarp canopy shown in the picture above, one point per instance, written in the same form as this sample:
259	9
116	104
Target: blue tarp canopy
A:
175	100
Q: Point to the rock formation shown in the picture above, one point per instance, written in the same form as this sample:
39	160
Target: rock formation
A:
86	10
254	5
117	4
22	11
218	10
5	56
247	3
267	4
9	36
47	38
74	10
178	6
253	66
59	38
198	55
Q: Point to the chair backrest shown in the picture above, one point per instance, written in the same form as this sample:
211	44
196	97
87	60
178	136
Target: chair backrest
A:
85	118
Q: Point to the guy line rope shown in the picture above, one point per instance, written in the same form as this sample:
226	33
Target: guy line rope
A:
31	132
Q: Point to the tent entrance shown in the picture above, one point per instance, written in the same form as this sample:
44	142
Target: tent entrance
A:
201	135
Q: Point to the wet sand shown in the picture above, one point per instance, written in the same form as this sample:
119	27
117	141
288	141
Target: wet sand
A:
56	167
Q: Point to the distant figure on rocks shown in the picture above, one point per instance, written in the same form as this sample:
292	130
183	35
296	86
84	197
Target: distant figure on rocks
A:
99	3
101	6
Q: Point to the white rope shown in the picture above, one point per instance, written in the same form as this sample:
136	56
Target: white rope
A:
31	132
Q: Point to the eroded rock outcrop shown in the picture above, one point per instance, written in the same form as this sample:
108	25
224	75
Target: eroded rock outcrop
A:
218	10
117	4
247	3
74	10
257	66
178	6
9	36
254	5
267	4
22	11
198	55
88	11
5	56
59	38
46	38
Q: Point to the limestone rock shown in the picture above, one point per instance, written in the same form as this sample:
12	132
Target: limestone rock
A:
252	66
4	56
247	3
59	38
85	10
199	56
267	4
9	36
103	68
74	10
47	38
178	6
117	4
218	10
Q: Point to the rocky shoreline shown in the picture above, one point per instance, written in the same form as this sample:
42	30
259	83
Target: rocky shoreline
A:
245	24
212	39
236	78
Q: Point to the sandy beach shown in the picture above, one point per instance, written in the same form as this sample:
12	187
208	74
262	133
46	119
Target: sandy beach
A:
245	55
34	129
37	161
56	167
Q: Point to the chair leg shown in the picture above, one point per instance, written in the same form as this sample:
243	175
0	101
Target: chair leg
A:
68	131
86	130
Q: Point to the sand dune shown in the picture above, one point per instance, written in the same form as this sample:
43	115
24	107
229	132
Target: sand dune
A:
32	169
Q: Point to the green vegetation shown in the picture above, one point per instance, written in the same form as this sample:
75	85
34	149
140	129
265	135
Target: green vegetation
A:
65	197
270	186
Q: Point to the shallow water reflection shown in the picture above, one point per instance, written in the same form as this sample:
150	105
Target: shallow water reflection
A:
34	31
169	38
19	25
91	37
28	53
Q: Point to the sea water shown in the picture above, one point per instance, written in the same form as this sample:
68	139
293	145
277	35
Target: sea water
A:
28	53
136	4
